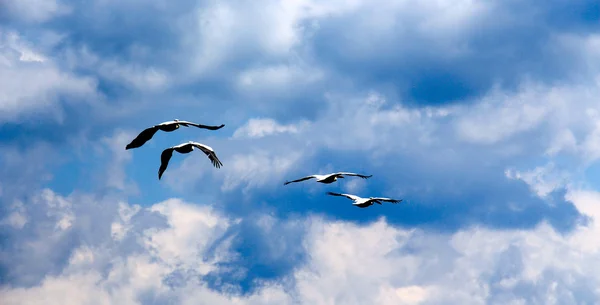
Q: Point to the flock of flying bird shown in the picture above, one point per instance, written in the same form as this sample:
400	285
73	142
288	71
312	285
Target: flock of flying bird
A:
188	147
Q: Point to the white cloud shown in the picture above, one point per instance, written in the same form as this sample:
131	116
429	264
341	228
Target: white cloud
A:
441	139
257	169
279	30
31	83
355	186
498	116
357	265
258	128
24	168
35	11
112	252
119	157
192	231
283	78
564	140
16	217
121	226
410	295
138	76
542	179
276	32
347	263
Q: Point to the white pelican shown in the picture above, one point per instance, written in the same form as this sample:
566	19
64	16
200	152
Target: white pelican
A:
329	178
169	126
185	148
365	202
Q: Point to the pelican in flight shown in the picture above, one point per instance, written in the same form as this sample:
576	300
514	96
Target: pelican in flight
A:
365	202
185	148
169	126
329	178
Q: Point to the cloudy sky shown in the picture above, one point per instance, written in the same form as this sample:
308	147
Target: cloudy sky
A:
483	116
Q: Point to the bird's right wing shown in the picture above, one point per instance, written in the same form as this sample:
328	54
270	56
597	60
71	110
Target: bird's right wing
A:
344	195
354	174
209	127
298	180
164	160
212	156
142	138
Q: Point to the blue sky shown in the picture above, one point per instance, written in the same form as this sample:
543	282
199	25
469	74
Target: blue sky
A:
483	116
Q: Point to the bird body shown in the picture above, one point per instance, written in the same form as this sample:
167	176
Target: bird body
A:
328	178
168	126
365	202
185	148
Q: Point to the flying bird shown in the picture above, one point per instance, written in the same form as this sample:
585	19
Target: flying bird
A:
329	178
365	202
185	148
169	126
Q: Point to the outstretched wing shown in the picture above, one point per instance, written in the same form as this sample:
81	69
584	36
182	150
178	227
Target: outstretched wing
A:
142	138
386	199
298	180
164	160
354	174
210	153
186	123
344	195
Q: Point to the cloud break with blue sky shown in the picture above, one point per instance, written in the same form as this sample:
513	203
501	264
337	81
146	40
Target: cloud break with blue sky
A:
483	116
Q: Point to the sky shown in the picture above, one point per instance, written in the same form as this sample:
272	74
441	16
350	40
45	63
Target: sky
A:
483	116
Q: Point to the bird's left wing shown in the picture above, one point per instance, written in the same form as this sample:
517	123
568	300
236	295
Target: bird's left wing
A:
299	180
142	138
210	153
354	174
352	197
209	127
387	199
165	156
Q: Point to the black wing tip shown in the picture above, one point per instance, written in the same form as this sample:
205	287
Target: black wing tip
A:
215	127
332	193
286	183
216	162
